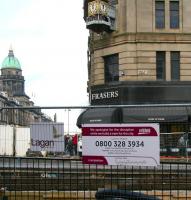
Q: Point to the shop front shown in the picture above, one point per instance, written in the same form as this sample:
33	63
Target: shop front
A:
166	104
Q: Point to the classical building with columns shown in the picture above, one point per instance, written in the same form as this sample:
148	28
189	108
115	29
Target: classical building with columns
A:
139	53
12	94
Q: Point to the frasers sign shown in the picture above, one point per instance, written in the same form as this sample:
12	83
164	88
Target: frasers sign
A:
105	95
47	137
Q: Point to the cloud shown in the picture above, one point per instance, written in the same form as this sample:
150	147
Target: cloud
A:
50	40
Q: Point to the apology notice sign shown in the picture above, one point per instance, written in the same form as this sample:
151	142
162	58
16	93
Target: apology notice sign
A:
121	144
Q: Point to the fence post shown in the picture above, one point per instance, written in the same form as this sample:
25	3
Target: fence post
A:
14	140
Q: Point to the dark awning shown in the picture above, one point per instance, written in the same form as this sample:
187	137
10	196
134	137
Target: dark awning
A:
99	116
154	114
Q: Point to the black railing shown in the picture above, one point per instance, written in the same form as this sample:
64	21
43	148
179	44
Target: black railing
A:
24	178
26	174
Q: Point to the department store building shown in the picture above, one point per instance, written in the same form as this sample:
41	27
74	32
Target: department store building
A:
139	53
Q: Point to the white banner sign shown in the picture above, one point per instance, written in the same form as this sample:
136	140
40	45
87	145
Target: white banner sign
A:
47	137
121	144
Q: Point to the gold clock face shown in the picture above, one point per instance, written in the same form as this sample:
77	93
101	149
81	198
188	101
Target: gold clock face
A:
103	8
97	7
92	8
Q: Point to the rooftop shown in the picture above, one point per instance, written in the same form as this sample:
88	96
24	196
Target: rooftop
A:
11	62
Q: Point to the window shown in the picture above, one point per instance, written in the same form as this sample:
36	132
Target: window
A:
111	64
160	65
174	14
160	14
175	65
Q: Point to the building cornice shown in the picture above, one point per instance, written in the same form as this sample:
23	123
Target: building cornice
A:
105	40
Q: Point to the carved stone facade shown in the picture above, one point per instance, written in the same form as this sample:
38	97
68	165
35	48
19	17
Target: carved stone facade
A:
152	40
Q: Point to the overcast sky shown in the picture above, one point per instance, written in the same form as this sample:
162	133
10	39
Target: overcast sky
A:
50	40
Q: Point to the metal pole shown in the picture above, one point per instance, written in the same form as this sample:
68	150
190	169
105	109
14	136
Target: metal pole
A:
97	106
68	122
14	141
187	149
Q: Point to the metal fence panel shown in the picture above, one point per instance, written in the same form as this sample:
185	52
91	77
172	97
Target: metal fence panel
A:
56	177
45	174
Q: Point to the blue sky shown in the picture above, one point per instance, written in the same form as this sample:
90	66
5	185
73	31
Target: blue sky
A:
50	40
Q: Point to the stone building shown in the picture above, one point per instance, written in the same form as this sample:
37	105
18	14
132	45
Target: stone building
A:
139	53
12	94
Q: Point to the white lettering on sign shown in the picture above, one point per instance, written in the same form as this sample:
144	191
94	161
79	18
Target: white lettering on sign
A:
156	119
105	95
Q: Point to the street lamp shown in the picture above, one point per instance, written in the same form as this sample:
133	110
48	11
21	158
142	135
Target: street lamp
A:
68	122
